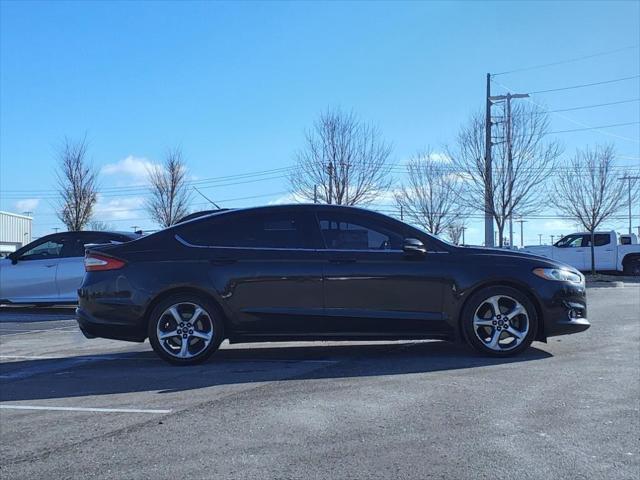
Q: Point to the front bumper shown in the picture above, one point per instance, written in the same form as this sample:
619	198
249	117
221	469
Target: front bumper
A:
566	311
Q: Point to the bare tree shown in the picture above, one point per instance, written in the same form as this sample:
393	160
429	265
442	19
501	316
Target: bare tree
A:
100	226
170	196
516	186
455	231
588	189
344	162
77	185
429	198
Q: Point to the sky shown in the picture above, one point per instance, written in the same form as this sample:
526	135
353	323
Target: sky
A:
236	85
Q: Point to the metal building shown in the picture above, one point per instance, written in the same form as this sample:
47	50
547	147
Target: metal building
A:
15	231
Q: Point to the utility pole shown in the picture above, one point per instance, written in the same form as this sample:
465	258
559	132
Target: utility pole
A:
539	239
401	214
315	194
551	239
628	179
55	229
508	122
488	182
463	229
521	221
135	228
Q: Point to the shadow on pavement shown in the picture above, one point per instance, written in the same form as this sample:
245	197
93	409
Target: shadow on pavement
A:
144	372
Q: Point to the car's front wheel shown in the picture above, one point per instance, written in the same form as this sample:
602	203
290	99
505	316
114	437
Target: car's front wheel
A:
185	329
499	321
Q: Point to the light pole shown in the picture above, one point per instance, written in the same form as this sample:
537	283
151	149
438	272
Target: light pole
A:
628	179
539	239
521	221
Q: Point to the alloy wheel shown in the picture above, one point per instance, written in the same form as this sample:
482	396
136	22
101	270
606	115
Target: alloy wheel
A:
501	323
185	330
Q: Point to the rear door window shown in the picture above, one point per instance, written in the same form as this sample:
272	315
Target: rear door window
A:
288	230
601	239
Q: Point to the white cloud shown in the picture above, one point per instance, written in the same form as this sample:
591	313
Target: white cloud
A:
110	209
288	198
439	157
27	205
134	169
559	225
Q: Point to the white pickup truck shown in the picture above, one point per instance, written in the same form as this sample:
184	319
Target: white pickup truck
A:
612	251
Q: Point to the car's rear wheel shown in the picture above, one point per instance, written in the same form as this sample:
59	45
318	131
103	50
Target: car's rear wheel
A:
499	321
185	329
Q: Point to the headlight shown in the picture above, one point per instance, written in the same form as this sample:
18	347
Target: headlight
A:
559	274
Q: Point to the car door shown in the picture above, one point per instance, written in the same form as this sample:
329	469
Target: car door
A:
605	252
71	264
371	286
571	250
265	266
31	276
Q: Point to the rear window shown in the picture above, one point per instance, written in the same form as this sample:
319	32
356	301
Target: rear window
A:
276	230
600	240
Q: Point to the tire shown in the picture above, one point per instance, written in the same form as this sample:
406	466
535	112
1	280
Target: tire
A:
502	334
173	316
632	267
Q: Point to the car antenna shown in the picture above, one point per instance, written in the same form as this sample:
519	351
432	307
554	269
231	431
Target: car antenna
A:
208	199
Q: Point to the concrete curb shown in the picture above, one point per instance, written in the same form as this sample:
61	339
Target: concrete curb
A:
605	284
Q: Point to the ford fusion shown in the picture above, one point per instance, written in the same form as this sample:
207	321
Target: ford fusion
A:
320	272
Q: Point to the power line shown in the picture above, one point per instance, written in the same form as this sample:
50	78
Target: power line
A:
583	107
569	60
198	182
581	124
622	79
594	128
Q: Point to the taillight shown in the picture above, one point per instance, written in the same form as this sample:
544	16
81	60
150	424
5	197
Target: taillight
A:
94	262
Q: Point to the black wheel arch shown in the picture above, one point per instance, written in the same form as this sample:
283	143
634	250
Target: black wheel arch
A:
190	290
630	257
522	288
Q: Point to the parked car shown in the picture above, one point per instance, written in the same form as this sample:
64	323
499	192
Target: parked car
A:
613	252
50	269
320	272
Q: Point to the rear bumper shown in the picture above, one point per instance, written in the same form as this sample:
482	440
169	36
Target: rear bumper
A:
92	327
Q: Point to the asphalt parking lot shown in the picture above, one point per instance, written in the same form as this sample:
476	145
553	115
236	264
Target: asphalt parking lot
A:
77	408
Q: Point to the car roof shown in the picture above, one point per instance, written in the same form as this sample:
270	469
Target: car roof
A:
313	207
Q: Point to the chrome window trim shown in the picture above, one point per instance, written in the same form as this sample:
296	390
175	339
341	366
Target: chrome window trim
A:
191	245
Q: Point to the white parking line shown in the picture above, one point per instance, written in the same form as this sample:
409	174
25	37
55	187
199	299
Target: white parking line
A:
81	409
53	330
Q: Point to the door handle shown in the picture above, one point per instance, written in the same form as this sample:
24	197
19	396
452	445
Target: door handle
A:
222	261
342	260
49	266
579	251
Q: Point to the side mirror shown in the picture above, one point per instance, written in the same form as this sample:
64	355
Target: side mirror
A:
414	246
13	258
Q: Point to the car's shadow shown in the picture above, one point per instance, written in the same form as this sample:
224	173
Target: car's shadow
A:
144	372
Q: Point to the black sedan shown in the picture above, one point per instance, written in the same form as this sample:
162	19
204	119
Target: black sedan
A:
320	272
